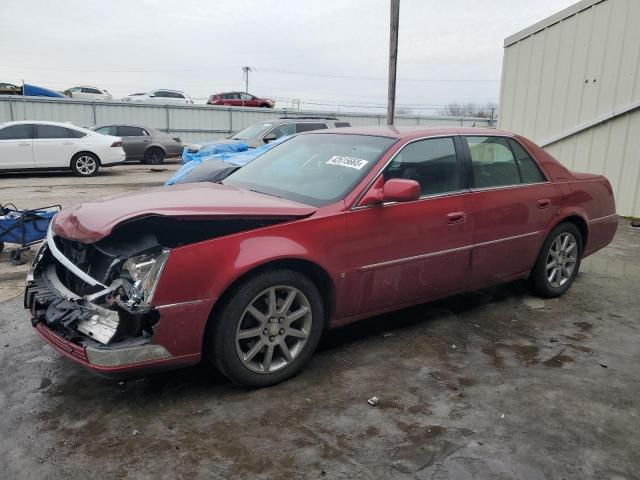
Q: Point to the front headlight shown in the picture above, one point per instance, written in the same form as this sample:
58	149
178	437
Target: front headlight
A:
145	271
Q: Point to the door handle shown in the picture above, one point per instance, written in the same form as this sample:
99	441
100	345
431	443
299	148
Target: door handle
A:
67	143
146	141
25	144
543	203
456	217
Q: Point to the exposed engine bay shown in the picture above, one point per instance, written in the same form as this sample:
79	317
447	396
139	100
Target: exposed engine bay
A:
100	294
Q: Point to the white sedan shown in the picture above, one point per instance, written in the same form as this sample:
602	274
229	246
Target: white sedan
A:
160	96
88	93
56	146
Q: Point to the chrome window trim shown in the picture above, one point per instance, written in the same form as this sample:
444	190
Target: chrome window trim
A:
358	199
446	252
453	193
507	187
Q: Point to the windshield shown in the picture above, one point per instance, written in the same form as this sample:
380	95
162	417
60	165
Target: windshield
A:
316	169
252	131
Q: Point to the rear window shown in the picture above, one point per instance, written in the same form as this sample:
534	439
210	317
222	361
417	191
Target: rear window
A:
307	127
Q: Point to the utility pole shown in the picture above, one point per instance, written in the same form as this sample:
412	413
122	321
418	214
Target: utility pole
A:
393	59
246	71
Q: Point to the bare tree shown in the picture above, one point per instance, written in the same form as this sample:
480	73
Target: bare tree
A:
404	111
469	109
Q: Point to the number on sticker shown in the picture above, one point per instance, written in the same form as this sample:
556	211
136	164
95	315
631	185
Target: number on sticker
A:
350	162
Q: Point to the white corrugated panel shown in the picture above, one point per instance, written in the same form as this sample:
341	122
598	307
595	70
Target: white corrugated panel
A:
571	83
190	122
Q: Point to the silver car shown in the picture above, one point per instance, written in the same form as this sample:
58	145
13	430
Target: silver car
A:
143	143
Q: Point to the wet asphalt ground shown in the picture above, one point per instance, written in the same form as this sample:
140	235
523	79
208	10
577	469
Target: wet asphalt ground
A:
493	384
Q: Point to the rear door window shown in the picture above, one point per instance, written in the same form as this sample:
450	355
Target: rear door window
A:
529	169
111	130
17	132
492	162
432	163
126	131
284	129
307	127
55	131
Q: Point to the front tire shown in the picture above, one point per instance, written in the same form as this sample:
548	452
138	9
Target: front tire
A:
154	156
85	165
558	261
268	329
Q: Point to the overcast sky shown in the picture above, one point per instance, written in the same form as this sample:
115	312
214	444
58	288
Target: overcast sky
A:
322	52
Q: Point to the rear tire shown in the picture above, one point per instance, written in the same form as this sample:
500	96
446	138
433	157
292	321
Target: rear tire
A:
558	261
154	156
85	164
267	330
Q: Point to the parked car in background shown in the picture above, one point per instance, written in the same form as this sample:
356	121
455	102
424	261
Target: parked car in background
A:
88	93
240	99
148	145
326	228
56	146
10	89
160	96
264	132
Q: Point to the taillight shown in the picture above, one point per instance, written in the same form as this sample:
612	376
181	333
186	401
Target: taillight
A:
116	144
177	139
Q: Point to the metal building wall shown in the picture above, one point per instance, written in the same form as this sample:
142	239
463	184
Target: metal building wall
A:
192	123
571	83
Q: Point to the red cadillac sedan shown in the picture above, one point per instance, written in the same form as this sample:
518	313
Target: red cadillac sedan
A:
328	227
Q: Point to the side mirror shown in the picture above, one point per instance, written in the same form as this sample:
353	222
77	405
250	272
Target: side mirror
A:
393	190
151	95
270	137
400	190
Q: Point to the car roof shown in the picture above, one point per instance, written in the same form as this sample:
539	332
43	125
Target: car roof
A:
303	120
393	131
166	90
121	125
43	122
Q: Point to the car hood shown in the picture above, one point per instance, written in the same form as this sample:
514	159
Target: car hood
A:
92	221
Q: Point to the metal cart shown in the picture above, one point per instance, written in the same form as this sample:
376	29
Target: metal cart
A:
23	228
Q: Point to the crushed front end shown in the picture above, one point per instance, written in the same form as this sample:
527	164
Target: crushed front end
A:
93	301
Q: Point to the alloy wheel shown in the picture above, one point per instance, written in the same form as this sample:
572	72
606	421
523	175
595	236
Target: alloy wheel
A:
561	260
86	165
273	329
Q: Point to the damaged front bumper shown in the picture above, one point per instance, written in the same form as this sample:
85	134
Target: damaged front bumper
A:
94	329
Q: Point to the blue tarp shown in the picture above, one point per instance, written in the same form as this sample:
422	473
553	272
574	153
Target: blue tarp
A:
33	91
238	158
213	148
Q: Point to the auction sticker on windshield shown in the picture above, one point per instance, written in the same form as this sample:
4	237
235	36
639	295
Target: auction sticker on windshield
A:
350	162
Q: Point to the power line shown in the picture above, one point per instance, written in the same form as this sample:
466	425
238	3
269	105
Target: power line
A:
356	77
267	70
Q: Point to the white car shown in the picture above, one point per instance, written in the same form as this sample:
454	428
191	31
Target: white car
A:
88	93
160	96
56	146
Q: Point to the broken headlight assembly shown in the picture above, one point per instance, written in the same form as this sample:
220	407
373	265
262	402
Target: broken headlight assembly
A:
140	275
